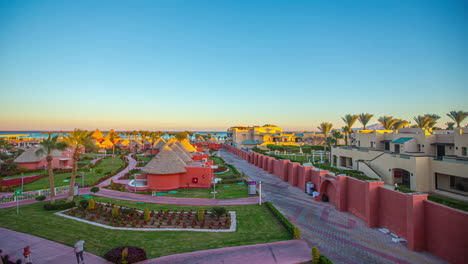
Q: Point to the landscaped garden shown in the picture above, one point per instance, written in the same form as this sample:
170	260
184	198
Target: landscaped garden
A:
255	224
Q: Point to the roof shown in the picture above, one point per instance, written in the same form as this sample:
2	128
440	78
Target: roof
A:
166	162
442	144
401	140
183	148
186	144
97	134
178	150
250	142
29	155
106	143
213	140
385	140
159	144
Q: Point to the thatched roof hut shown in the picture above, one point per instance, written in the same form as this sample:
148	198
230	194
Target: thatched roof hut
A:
29	155
97	134
179	151
159	144
186	144
166	162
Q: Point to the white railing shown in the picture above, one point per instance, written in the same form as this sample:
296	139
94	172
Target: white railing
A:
6	198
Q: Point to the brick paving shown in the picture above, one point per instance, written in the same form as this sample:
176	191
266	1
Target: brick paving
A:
341	236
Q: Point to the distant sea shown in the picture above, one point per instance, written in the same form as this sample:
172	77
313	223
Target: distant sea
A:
38	134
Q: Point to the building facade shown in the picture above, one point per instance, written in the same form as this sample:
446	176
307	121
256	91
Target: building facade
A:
422	160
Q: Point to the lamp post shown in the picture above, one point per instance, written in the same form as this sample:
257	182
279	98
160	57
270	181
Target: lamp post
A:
82	179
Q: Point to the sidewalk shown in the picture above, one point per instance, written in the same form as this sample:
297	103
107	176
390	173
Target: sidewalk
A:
283	252
131	165
43	251
81	191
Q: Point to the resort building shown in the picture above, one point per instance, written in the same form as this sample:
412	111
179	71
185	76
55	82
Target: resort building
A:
174	167
31	161
19	140
426	161
249	137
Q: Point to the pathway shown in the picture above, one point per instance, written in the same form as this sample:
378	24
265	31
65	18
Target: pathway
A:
283	252
43	251
131	165
174	200
341	236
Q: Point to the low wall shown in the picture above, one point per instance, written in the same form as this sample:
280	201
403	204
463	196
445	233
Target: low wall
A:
441	230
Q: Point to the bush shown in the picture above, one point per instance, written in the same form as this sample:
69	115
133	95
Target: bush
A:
147	214
91	204
219	211
134	255
99	170
84	204
59	206
315	255
449	202
201	214
325	260
296	233
115	211
281	217
40	198
94	189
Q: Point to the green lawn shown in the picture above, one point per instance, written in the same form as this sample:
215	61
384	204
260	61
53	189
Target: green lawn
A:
233	191
106	165
256	224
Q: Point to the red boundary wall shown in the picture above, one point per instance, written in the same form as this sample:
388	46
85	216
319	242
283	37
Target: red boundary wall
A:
441	230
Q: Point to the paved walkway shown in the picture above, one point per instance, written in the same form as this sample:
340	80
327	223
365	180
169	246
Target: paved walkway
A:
174	200
43	251
283	252
341	236
131	165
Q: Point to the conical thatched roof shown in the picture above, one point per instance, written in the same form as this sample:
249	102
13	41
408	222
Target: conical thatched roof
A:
186	144
29	155
125	142
201	139
97	134
213	140
179	151
159	144
172	139
166	162
106	143
182	148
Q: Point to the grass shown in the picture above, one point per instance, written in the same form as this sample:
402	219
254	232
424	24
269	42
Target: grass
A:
234	191
106	165
256	224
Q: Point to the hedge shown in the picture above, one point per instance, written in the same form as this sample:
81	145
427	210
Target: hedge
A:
449	202
289	226
59	206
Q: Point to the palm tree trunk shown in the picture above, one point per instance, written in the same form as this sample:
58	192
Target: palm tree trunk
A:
51	180
113	155
346	139
73	178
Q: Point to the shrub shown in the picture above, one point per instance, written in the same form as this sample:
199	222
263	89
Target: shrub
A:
201	214
325	260
115	211
91	204
99	170
315	255
112	184
281	217
147	214
94	189
84	204
40	198
122	188
219	211
59	206
134	255
449	202
297	233
124	256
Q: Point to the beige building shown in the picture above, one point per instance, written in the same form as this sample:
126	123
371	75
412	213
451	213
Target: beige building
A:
249	137
434	162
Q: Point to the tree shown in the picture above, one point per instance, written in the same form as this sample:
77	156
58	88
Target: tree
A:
387	122
458	116
77	139
47	147
114	138
181	135
450	125
426	121
364	119
336	135
349	121
400	124
328	142
325	127
154	136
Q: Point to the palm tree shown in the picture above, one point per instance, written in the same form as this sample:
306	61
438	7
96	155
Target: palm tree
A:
387	121
458	116
336	135
364	119
328	142
346	130
154	136
400	124
325	127
450	125
349	121
48	146
434	119
424	122
77	140
114	138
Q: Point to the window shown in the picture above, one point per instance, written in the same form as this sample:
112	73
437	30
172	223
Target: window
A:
419	147
359	143
463	151
372	144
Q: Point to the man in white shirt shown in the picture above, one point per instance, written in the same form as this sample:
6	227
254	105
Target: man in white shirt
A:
79	251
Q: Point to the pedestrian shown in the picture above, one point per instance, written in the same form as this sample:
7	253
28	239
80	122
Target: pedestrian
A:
79	251
1	256
27	255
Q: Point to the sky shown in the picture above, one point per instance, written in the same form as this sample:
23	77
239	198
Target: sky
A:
208	65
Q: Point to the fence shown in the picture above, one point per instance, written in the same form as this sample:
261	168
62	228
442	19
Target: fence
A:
6	198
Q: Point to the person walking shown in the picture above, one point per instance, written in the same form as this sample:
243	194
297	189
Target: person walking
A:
79	251
27	255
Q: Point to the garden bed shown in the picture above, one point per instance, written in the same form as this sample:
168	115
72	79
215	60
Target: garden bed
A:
111	216
221	170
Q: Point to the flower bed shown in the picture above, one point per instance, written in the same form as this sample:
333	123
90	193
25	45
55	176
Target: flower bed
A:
220	170
122	218
17	181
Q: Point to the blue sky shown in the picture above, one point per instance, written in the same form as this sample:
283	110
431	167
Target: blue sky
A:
208	65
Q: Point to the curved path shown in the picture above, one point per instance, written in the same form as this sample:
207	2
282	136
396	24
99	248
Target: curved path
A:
341	236
131	165
174	200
